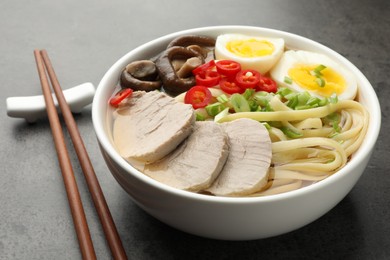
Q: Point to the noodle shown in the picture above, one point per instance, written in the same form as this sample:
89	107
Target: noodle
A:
319	152
295	115
289	186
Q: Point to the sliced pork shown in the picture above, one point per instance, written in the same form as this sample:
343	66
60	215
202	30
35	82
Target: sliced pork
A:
195	164
150	125
246	169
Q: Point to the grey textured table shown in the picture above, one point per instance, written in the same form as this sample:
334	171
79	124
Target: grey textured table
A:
83	39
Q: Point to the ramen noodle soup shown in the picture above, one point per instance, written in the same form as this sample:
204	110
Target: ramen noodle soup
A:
306	104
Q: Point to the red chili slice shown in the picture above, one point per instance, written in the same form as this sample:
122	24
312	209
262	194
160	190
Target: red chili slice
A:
208	78
229	86
198	96
267	84
228	68
120	95
206	66
247	79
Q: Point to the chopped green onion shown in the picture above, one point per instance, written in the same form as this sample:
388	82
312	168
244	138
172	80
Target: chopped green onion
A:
333	98
333	117
317	72
293	102
313	101
222	98
323	102
306	101
333	120
239	103
336	127
303	97
291	95
267	108
287	80
284	91
320	82
215	108
319	68
262	98
267	126
253	105
314	73
290	133
261	94
221	115
199	117
248	93
201	114
262	101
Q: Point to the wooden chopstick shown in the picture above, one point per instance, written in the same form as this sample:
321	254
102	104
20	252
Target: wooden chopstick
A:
100	203
78	214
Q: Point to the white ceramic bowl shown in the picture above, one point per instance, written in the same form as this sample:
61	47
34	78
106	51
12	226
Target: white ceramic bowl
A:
233	218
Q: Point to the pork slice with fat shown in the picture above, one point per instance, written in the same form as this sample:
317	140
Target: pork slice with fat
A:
195	164
246	169
150	125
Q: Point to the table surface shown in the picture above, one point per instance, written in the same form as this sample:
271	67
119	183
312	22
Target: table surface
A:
83	39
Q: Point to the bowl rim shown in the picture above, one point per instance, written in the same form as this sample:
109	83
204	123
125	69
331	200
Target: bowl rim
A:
365	149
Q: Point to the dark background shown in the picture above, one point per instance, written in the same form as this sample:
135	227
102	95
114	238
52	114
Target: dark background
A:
83	39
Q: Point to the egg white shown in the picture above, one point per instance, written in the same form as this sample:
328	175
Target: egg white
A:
291	57
261	64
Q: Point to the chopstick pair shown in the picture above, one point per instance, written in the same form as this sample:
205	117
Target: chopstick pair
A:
78	214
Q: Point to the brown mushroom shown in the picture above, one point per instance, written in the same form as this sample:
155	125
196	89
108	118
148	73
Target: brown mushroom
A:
173	83
187	40
189	65
197	43
201	50
140	75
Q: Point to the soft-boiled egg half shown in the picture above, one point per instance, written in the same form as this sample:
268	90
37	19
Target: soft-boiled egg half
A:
257	53
314	72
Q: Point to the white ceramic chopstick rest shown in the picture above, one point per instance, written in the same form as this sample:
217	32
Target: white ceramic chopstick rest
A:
33	107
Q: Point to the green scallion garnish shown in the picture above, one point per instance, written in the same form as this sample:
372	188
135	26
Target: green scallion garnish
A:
215	109
319	68
323	102
248	93
199	117
333	98
222	98
267	125
290	133
253	105
293	102
303	97
287	80
284	92
320	82
262	98
312	101
239	103
336	127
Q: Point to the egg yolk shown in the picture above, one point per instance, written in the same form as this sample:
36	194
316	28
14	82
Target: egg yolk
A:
303	76
250	48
